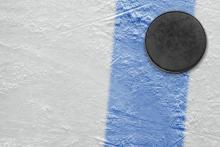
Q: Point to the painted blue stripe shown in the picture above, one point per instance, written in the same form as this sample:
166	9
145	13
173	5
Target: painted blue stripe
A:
146	106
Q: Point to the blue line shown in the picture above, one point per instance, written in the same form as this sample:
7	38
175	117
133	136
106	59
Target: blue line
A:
146	106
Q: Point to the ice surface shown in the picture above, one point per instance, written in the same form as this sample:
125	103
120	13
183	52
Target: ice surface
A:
54	72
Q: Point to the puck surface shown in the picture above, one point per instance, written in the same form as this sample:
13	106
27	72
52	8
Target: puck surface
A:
175	41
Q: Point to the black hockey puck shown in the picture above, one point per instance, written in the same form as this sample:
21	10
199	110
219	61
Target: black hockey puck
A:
175	41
